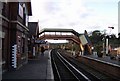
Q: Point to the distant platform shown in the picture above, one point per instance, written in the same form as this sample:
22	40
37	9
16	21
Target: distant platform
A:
104	59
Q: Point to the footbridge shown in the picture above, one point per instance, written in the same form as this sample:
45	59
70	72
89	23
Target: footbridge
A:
62	34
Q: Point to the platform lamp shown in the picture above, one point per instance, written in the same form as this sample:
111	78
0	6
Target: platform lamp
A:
107	40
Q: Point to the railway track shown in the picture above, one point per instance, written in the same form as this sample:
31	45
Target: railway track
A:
63	69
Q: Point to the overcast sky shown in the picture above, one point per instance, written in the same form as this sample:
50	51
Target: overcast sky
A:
79	15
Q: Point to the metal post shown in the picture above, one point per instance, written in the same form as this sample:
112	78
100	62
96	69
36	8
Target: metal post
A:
104	38
103	47
106	46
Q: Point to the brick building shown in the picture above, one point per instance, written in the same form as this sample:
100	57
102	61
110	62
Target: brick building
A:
15	32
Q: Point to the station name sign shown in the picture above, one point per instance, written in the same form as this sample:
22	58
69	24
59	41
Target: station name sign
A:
84	39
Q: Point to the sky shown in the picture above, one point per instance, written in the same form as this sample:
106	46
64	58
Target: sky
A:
79	15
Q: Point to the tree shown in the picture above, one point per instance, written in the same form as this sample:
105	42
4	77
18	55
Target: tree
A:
96	37
113	41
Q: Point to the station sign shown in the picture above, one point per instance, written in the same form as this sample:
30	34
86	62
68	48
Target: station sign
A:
84	39
40	41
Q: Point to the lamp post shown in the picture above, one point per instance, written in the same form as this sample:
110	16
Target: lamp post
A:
107	40
110	29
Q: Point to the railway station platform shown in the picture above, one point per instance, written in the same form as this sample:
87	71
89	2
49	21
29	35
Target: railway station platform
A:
104	65
104	59
36	69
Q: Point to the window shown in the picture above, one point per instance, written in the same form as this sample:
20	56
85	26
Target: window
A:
26	18
20	10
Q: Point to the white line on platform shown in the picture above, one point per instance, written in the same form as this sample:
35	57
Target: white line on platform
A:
50	75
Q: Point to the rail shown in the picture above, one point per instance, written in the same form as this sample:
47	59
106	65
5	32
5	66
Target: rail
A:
65	70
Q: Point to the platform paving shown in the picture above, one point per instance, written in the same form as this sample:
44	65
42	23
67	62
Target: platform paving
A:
36	69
